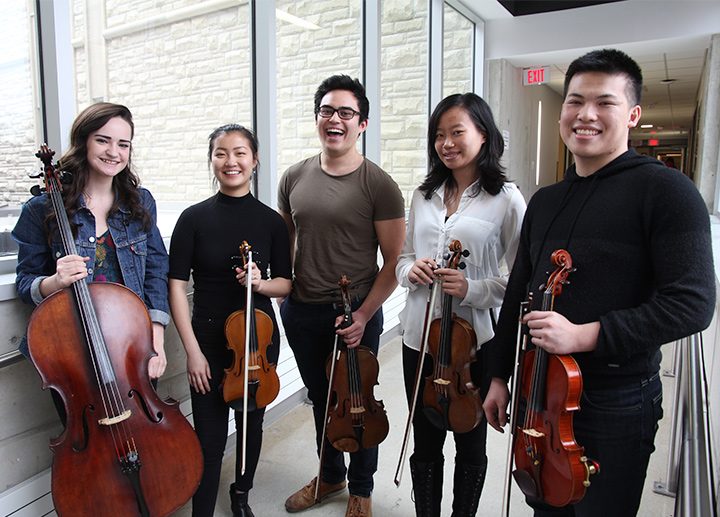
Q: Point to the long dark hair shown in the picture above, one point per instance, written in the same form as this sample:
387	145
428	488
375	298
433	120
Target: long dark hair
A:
75	161
488	171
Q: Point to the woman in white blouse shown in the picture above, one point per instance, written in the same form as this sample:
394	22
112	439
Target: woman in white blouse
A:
467	197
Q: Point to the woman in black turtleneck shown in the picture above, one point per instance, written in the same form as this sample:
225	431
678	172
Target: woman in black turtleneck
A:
206	238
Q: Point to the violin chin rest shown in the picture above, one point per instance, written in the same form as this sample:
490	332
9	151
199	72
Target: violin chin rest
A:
527	484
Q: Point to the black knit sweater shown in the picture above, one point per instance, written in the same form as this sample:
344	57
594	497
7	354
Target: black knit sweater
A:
639	235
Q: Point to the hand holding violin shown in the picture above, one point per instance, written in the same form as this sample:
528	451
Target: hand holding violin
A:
423	271
353	334
557	335
256	276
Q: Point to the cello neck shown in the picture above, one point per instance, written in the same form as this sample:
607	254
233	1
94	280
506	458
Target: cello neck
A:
88	316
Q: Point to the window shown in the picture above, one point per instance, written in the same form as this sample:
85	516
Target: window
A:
20	124
314	41
183	68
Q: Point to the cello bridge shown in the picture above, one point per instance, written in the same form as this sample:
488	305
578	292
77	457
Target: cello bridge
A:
115	419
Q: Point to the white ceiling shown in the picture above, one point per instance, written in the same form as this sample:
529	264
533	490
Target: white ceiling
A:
668	107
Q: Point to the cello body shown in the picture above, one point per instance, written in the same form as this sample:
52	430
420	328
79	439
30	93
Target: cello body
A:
86	476
124	451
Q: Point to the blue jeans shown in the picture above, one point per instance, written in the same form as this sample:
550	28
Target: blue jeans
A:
310	329
617	427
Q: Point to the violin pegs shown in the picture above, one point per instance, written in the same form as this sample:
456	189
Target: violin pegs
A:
465	253
461	265
35	190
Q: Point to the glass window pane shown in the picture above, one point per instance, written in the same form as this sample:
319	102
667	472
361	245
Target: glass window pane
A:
404	92
314	41
458	34
19	124
182	67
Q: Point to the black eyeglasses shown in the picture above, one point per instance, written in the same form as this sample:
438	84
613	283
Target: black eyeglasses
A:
344	113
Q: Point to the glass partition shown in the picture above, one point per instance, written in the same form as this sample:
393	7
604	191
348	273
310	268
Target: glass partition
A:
314	41
20	124
404	87
183	68
458	34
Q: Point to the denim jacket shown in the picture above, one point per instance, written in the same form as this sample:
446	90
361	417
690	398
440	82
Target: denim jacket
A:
141	255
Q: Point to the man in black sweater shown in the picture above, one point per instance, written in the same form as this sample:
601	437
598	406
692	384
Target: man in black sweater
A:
638	234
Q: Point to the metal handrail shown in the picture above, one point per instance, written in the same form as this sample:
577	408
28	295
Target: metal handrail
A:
9	358
690	472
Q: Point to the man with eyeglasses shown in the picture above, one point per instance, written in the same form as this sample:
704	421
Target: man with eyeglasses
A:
339	207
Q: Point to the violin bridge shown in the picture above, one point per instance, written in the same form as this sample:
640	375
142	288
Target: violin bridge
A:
115	419
360	409
441	381
533	433
253	367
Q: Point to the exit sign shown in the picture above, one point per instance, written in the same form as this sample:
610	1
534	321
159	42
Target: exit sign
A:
536	75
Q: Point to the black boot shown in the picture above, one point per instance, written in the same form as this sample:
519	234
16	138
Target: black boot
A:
239	503
467	487
427	478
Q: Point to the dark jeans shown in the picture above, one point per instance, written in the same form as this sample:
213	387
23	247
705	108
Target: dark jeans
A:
617	427
210	415
310	329
429	440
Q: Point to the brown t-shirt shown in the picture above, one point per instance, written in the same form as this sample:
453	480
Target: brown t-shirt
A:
334	230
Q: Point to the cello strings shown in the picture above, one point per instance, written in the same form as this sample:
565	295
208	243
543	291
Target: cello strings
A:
88	317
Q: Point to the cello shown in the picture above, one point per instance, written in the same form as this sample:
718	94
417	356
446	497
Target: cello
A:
354	419
551	466
124	451
451	401
251	381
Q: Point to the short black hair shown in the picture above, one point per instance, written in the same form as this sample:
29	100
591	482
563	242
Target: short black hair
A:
609	61
344	82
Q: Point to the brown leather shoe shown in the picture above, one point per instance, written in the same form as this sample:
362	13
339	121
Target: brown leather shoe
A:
359	506
305	497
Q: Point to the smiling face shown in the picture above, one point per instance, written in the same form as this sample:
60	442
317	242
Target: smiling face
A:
232	163
108	148
337	136
596	118
458	142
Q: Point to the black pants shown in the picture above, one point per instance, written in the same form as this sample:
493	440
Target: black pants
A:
429	440
210	415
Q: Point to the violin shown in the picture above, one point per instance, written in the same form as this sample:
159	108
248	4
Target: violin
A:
249	333
124	451
550	465
354	419
251	382
451	400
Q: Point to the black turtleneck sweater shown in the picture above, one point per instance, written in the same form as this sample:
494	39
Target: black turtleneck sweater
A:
207	236
639	235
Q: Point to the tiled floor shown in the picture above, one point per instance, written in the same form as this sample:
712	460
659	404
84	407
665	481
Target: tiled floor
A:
288	461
